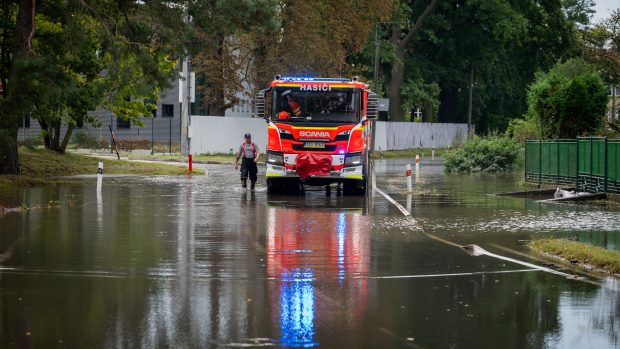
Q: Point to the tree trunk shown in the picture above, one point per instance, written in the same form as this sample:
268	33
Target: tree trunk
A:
11	110
427	112
9	157
56	139
218	106
46	137
65	140
395	79
448	104
394	82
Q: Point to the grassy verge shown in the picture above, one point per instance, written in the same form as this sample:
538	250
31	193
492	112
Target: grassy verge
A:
406	153
38	165
584	254
208	158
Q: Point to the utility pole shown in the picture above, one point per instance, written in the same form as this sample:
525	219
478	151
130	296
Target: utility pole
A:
469	106
613	103
376	88
184	98
377	46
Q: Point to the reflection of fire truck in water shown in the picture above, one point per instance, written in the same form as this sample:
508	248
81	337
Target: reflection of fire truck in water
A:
319	132
319	261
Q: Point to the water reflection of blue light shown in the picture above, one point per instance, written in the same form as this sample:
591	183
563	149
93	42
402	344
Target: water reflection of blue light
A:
297	309
342	233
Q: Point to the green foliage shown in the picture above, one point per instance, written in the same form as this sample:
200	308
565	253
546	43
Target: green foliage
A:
492	153
601	46
417	93
523	129
568	101
579	11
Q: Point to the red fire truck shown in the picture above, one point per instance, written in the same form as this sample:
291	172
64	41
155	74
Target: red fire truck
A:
318	132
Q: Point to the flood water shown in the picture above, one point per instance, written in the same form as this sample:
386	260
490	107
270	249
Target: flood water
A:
196	262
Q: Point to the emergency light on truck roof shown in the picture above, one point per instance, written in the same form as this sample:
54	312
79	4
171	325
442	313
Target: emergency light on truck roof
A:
296	78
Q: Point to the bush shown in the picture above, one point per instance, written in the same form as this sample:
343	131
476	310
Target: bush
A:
33	141
569	100
523	129
85	141
131	144
483	154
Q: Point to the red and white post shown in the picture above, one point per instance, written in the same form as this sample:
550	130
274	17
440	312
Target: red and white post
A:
189	158
408	174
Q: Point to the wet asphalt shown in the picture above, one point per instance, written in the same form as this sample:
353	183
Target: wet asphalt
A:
198	262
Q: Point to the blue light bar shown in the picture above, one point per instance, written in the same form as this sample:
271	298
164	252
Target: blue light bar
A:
297	78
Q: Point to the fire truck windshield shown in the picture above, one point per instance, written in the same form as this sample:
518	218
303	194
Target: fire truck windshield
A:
330	105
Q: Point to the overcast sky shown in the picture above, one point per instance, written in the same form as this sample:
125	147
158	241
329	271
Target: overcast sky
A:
603	9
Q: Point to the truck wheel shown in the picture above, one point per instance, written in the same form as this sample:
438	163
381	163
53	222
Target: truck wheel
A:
274	186
353	187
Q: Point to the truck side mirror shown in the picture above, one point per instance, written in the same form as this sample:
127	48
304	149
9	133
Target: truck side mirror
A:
372	109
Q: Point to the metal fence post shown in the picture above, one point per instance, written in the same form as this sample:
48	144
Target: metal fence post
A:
558	151
525	160
577	165
591	159
539	163
606	163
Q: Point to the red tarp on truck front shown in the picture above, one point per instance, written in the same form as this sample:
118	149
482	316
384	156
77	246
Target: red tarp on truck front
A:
309	164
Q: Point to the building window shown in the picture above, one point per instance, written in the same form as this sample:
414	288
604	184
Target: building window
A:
167	110
122	123
26	122
79	123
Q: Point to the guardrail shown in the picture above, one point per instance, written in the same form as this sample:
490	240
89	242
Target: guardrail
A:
589	164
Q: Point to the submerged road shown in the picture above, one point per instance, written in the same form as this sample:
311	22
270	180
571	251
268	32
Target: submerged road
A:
197	262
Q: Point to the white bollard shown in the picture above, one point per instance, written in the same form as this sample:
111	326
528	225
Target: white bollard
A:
417	164
99	176
408	174
409	197
433	154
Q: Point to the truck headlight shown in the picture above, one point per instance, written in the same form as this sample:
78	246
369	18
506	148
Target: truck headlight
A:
275	157
353	159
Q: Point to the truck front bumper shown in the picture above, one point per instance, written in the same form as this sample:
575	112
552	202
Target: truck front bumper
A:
347	173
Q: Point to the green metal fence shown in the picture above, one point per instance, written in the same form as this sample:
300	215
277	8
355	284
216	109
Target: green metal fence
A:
589	164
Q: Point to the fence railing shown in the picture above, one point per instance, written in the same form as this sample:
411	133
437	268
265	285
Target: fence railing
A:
589	164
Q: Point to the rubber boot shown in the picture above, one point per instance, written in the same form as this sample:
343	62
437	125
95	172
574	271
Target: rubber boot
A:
244	183
252	185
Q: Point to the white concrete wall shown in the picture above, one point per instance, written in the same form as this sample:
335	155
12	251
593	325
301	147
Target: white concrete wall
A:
214	134
408	135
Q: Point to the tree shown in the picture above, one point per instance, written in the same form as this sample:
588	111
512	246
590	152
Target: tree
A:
222	48
318	38
569	100
400	38
17	93
502	40
602	47
87	54
579	11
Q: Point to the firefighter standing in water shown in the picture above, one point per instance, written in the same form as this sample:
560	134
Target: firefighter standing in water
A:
249	153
